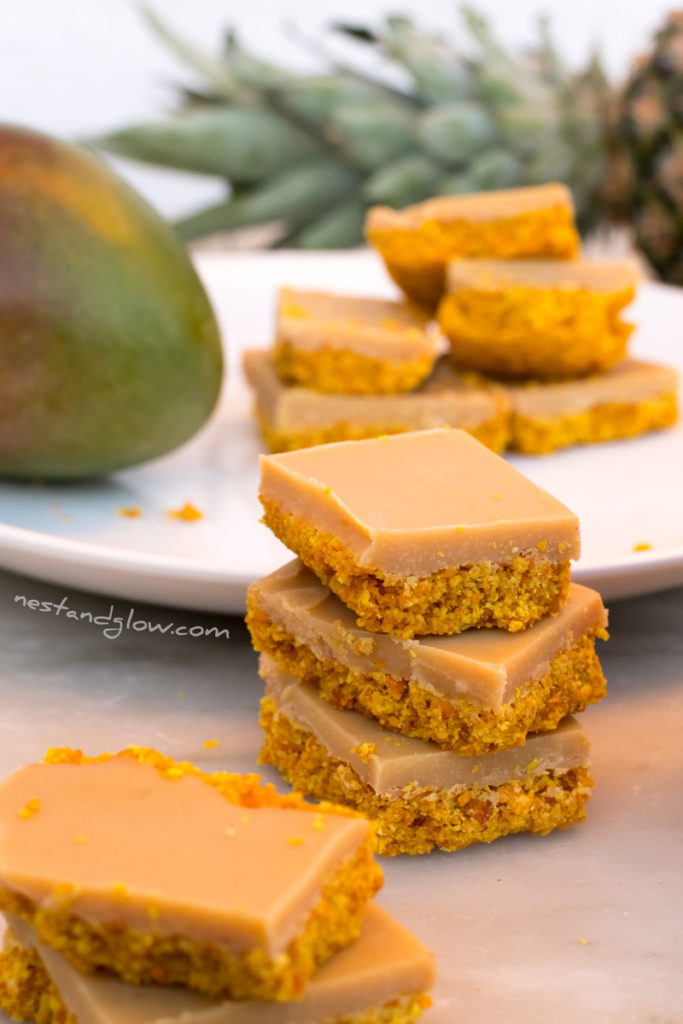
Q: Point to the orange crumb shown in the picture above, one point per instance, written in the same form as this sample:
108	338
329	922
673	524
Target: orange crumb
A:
365	751
464	799
542	545
32	807
642	546
496	496
318	821
133	512
188	513
293	309
295	841
210	743
174	773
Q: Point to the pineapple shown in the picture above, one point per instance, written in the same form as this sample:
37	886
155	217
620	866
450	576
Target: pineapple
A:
649	128
310	153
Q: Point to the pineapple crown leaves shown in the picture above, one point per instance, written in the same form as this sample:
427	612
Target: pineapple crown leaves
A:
459	119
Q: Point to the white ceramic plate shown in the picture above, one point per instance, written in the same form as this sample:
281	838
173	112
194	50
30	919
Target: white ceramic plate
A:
626	493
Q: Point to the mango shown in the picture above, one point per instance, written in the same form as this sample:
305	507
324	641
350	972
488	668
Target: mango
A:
109	350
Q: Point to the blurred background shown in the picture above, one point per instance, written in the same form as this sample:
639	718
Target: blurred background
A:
83	70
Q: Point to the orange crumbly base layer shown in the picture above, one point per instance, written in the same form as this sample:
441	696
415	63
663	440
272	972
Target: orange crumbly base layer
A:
416	259
510	596
493	433
611	421
148	958
342	372
27	993
421	818
574	680
531	332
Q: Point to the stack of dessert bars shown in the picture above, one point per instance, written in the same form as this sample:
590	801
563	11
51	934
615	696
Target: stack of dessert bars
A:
503	275
537	357
425	652
139	890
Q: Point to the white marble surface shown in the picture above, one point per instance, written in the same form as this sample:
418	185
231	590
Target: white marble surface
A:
584	925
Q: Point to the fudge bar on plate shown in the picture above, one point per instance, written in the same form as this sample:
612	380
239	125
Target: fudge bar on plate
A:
423	533
416	243
381	978
632	398
477	692
349	345
420	795
165	875
296	417
536	318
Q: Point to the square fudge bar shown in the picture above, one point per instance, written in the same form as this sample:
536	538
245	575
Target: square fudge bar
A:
420	795
342	344
631	398
417	243
536	318
165	875
420	533
381	978
476	692
296	417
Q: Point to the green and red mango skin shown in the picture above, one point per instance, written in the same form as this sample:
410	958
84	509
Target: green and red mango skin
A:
109	350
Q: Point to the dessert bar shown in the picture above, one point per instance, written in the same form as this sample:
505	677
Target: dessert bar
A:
423	533
632	398
416	243
348	345
531	318
165	875
293	417
420	795
381	978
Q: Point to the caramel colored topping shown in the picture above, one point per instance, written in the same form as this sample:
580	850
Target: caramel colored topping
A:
630	381
395	503
492	275
154	838
477	207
